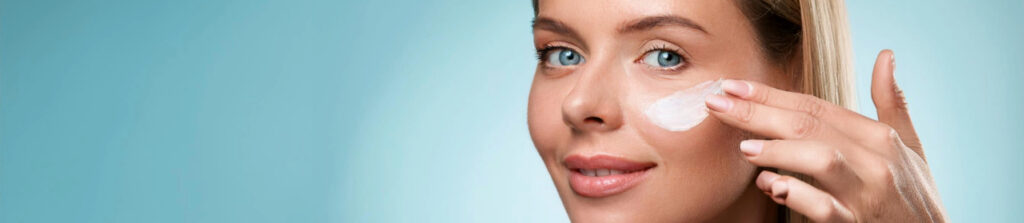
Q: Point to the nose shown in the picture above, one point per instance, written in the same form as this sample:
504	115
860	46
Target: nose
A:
593	103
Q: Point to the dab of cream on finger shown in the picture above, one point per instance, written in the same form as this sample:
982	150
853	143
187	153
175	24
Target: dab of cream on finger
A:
683	109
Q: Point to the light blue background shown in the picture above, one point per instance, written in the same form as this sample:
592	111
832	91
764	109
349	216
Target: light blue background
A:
412	111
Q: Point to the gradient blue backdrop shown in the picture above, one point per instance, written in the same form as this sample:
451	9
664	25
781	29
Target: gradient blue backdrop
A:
382	111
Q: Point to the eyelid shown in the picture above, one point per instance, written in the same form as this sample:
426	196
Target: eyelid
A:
684	58
562	45
662	44
666	47
544	51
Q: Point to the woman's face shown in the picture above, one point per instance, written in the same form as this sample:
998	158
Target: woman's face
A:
601	64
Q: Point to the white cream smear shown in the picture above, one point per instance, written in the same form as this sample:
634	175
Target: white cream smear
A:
683	109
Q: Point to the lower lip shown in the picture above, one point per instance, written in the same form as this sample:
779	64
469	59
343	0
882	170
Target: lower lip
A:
605	185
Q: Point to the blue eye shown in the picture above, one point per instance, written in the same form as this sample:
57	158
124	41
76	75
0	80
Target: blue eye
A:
563	57
663	59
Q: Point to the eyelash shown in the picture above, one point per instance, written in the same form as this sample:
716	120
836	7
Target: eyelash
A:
685	60
542	53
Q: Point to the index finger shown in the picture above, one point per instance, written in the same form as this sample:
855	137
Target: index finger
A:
854	124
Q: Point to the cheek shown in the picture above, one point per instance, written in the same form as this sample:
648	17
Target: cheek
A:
709	146
679	124
544	118
690	142
702	166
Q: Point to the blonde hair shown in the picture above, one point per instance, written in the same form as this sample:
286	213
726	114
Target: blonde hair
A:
819	30
827	51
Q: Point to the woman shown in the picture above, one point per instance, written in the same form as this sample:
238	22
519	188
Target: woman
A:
608	113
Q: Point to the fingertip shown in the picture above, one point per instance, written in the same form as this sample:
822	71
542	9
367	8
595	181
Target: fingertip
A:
751	147
891	56
718	103
739	88
883	83
886	55
780	189
887	52
765	180
884	64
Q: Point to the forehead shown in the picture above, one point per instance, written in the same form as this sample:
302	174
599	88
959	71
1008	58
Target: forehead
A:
600	16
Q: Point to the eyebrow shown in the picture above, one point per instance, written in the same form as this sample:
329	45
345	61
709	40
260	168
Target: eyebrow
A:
544	23
652	22
642	24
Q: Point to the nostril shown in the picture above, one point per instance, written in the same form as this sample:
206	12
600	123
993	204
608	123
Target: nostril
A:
593	120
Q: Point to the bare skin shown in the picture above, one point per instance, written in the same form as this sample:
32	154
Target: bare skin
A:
595	76
867	170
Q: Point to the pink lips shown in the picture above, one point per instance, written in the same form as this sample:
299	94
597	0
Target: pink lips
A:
602	175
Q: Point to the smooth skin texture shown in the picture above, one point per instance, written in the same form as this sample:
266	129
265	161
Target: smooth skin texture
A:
590	102
867	170
596	106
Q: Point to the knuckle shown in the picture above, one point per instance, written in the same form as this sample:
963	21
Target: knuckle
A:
884	136
883	174
804	126
893	137
758	93
812	106
744	111
825	210
831	162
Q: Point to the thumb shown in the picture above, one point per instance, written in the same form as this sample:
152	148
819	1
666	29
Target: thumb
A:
890	103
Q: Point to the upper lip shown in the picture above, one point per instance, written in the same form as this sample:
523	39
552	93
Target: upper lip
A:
576	162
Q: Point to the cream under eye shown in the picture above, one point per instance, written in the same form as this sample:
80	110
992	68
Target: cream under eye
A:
683	109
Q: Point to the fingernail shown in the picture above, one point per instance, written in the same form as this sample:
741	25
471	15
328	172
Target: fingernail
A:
780	190
892	61
751	147
765	179
738	88
892	57
719	103
894	68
